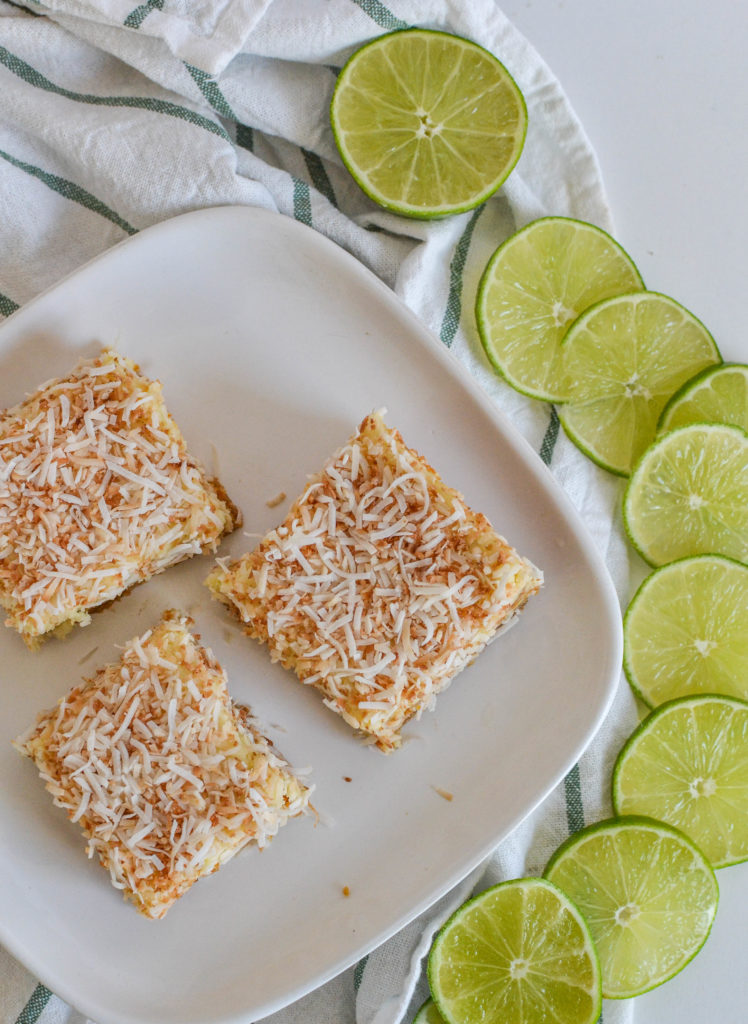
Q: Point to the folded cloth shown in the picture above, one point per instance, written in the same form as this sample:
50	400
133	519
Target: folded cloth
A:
105	129
207	36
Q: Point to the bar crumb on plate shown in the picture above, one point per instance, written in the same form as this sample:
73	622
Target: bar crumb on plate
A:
97	493
166	777
379	586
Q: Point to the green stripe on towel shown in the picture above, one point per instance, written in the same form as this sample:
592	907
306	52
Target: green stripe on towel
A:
453	312
71	191
136	17
302	202
33	77
358	972
209	88
33	1009
381	14
551	436
245	137
7	306
319	176
574	806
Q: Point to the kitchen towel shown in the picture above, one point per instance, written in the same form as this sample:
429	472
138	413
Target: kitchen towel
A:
113	118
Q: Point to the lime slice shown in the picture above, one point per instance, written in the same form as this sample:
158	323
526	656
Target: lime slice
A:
622	360
684	632
428	1014
427	123
534	286
648	894
518	952
687	765
717	395
689	495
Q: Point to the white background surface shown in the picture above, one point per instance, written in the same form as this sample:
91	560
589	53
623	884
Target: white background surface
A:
661	87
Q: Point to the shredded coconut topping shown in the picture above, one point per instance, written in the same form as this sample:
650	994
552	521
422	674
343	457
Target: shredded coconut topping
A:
380	585
97	493
167	779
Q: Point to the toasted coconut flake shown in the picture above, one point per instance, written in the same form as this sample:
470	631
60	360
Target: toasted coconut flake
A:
97	493
379	586
444	793
166	777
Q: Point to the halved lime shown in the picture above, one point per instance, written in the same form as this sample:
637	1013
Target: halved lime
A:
716	395
518	952
535	285
428	1014
427	123
688	495
685	633
622	360
649	896
687	765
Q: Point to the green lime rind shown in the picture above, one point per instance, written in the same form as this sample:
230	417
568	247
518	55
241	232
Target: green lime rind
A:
519	951
703	598
428	1014
377	120
688	495
687	765
718	394
622	360
534	286
675	897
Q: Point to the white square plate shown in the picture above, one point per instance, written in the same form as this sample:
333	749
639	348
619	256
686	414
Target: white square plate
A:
272	344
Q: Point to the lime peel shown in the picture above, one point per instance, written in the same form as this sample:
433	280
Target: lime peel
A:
521	947
534	286
427	123
688	495
622	360
687	765
718	394
684	631
649	896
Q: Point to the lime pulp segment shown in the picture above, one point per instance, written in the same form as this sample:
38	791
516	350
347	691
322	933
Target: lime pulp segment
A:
538	282
687	765
427	123
648	894
684	632
688	495
518	952
717	395
621	362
